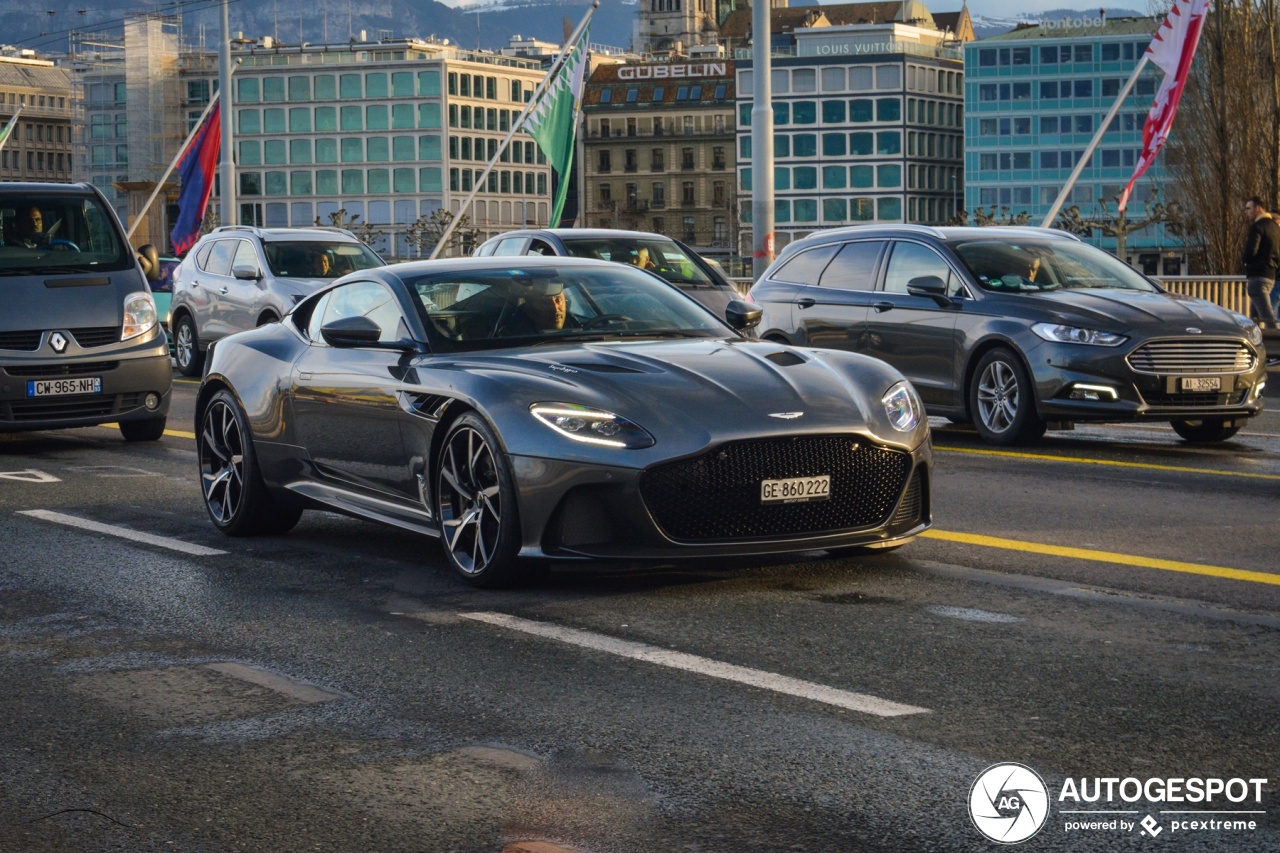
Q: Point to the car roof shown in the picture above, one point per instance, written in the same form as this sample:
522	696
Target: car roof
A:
505	262
303	233
583	232
944	233
45	188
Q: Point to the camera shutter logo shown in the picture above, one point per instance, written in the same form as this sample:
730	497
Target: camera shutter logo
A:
1009	803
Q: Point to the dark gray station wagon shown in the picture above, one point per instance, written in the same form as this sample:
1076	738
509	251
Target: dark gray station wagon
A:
1018	329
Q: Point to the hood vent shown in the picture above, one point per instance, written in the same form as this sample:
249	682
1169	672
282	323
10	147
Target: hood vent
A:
783	358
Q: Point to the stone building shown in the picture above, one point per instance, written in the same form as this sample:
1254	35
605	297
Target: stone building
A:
40	147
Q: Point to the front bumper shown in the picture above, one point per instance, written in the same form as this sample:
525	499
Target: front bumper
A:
129	372
569	510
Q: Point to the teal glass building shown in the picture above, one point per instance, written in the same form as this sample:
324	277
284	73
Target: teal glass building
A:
1035	97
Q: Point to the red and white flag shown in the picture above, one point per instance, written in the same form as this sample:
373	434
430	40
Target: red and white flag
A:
1172	49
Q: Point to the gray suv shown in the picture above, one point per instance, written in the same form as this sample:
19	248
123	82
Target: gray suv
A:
238	277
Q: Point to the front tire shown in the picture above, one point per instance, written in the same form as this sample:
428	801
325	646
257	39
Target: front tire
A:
476	506
1206	429
186	346
235	496
150	429
1002	402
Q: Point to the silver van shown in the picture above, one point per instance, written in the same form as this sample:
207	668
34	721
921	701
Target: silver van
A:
80	343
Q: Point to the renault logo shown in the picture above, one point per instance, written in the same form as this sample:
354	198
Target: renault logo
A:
787	416
58	342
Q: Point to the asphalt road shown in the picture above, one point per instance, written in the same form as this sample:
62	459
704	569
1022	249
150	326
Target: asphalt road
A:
1105	605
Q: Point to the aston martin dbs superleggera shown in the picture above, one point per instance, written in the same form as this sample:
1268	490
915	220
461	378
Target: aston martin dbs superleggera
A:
526	408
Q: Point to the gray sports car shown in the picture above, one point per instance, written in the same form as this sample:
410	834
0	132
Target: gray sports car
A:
525	408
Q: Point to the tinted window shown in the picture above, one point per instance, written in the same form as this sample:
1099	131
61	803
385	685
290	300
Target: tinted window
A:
245	256
806	267
664	257
219	260
58	233
366	299
854	268
911	260
540	247
1034	264
318	258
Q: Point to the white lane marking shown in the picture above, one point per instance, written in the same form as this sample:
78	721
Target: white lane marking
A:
860	702
30	475
122	532
971	614
109	471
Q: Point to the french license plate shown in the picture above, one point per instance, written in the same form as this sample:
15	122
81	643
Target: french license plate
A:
1201	383
64	387
795	490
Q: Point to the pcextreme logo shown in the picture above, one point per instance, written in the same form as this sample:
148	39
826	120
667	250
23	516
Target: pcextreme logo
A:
1009	803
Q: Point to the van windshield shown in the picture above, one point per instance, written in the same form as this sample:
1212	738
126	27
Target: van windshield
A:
59	233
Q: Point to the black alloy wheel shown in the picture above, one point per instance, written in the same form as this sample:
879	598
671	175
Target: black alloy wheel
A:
186	346
476	505
1002	402
234	495
1206	429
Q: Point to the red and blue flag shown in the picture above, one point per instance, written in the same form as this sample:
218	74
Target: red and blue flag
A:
196	169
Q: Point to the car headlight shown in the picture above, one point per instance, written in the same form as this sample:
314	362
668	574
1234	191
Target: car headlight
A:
139	315
1073	335
591	426
1252	330
903	407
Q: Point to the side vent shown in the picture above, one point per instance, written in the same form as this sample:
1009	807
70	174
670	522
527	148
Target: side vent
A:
430	406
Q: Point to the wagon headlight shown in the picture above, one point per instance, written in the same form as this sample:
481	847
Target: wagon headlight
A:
1073	335
1252	330
902	406
139	315
591	426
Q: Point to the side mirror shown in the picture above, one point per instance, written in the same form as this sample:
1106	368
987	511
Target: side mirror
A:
350	332
930	287
244	272
149	259
743	315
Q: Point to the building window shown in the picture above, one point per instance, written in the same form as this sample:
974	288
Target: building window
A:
686	158
606	195
690	230
659	225
717	193
656	160
630	161
717	157
686	193
659	195
605	165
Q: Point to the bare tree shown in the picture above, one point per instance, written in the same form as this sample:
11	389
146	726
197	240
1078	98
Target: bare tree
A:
364	232
1117	223
426	231
994	216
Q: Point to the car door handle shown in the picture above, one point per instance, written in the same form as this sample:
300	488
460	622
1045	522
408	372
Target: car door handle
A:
223	291
881	307
304	377
806	302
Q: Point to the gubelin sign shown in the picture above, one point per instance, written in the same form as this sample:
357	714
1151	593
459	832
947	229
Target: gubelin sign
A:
667	72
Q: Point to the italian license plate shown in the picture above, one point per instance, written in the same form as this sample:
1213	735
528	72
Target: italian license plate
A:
1201	383
795	490
64	387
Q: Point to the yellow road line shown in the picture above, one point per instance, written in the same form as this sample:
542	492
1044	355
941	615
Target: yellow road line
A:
173	432
1104	557
1081	460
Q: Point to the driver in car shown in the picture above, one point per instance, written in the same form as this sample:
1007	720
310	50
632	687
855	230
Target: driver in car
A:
543	308
29	228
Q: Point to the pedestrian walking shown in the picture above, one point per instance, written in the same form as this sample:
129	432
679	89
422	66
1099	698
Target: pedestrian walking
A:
1261	260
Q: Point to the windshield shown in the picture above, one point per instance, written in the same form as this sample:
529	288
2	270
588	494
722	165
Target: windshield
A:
494	308
318	258
1031	266
663	257
50	234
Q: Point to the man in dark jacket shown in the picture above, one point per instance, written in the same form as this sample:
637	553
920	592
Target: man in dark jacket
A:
1261	260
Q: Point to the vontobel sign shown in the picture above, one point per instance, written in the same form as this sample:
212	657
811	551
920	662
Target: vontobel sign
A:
666	72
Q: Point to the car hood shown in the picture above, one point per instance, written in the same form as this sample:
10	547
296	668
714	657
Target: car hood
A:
66	301
696	389
1126	310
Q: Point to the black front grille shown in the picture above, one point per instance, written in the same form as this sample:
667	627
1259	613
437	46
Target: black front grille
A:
70	407
98	336
716	496
71	368
1192	356
910	508
28	341
1234	398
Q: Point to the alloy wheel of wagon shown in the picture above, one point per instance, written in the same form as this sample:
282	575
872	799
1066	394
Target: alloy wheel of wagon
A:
186	346
476	505
234	495
1001	401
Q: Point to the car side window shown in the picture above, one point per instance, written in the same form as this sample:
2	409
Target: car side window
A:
245	255
510	246
365	299
540	247
317	315
854	268
219	260
486	249
912	260
806	267
202	255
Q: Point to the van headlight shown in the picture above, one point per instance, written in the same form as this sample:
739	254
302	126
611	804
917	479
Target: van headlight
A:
591	426
903	407
139	315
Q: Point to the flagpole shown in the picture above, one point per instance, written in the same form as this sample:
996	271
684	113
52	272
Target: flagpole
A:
8	128
538	93
169	171
1093	145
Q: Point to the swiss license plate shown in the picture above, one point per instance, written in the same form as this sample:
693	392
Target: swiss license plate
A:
795	490
1201	383
63	387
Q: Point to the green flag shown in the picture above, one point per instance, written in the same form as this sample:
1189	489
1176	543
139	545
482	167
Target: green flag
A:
554	120
8	128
